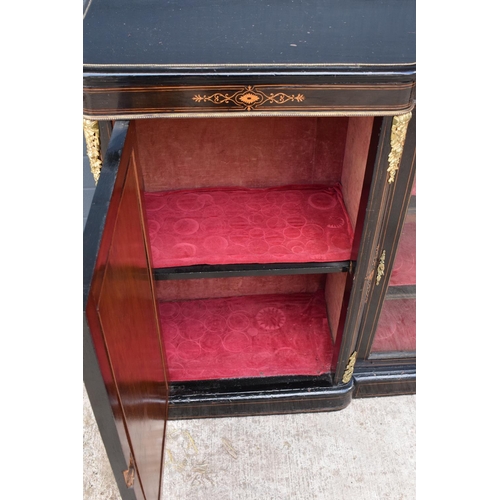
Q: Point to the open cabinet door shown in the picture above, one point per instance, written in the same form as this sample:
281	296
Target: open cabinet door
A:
121	320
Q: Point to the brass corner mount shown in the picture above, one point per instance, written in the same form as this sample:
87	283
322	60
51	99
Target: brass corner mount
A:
398	137
93	141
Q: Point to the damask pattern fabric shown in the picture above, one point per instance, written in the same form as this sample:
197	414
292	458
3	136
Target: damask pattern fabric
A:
249	336
240	225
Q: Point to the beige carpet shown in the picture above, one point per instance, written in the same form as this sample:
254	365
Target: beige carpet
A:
364	452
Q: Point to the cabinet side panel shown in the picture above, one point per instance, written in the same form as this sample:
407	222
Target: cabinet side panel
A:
127	314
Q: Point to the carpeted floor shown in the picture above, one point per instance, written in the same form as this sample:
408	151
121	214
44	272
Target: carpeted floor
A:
365	452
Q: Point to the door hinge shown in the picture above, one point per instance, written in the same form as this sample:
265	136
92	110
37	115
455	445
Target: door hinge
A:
349	368
129	474
381	267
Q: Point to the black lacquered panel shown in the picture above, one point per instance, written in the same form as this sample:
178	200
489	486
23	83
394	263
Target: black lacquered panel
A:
249	33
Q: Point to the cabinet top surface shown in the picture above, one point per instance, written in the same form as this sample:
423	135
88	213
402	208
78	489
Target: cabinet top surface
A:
142	36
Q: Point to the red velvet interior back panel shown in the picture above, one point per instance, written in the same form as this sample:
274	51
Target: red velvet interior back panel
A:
239	337
231	287
255	152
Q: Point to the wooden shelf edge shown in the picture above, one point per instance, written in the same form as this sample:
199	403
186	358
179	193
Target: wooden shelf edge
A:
237	270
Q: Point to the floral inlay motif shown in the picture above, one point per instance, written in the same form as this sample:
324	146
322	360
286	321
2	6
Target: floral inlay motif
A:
249	98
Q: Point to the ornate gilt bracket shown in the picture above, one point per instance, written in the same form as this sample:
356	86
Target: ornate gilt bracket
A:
92	139
349	368
398	136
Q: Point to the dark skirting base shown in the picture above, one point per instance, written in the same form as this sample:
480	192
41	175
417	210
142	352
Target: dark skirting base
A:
385	381
280	395
293	395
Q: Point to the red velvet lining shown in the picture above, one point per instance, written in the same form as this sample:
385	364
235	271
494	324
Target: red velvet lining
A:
216	288
240	225
404	271
396	329
255	152
249	336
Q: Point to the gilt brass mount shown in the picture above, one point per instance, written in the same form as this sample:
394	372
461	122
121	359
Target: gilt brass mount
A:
398	137
350	368
93	141
381	267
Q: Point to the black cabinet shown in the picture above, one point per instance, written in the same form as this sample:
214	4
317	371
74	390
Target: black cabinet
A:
252	216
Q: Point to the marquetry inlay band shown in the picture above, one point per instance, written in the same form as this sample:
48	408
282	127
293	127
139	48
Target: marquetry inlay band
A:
150	100
249	98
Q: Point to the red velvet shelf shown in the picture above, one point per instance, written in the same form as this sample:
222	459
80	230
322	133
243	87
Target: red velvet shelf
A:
242	226
396	329
247	336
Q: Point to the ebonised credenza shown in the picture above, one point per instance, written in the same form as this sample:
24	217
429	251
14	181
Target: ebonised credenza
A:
250	248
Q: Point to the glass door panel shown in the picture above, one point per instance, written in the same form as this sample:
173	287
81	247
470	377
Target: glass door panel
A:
396	330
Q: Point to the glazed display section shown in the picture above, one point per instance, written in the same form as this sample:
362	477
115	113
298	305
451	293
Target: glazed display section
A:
221	192
397	326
